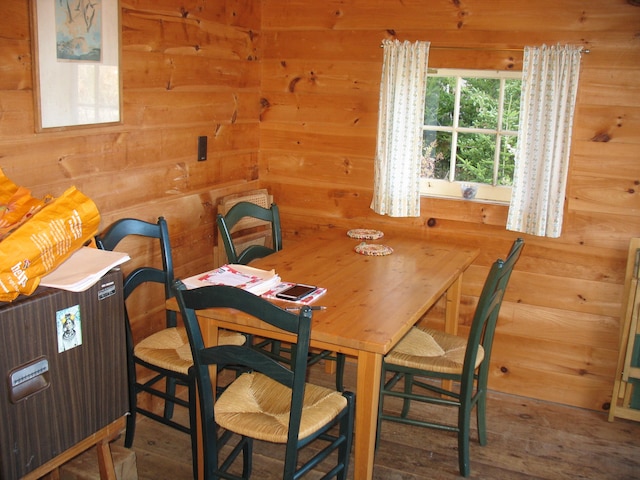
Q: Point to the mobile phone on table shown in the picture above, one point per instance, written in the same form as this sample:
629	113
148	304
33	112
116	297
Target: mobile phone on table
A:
296	292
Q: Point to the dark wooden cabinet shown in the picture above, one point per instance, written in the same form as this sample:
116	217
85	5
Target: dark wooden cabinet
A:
63	367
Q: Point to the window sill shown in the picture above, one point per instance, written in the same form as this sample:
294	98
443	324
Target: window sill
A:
454	191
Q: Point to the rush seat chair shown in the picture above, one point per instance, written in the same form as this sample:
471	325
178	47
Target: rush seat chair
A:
166	353
271	401
244	215
424	357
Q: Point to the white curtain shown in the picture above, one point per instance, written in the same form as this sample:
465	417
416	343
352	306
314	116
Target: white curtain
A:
549	86
402	98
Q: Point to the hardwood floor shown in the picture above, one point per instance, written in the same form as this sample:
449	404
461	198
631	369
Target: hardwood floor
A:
527	439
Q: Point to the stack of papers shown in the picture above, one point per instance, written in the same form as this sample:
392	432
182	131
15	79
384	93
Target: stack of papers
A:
83	269
248	278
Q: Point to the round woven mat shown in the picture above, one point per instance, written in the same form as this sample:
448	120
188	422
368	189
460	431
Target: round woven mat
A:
373	249
365	234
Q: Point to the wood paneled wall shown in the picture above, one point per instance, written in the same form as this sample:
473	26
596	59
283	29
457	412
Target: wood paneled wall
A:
558	332
189	68
287	92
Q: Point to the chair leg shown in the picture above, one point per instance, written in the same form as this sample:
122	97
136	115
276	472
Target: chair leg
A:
133	403
247	457
171	390
131	427
464	422
481	408
408	388
346	426
275	347
193	425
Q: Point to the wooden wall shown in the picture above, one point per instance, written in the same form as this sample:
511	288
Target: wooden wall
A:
287	92
558	332
189	68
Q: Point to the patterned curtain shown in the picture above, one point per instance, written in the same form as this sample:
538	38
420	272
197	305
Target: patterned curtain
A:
402	98
549	87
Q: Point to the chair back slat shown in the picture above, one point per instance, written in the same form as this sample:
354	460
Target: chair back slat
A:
258	197
242	230
125	227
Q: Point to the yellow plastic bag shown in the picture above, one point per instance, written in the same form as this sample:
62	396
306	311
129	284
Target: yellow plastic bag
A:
43	240
16	205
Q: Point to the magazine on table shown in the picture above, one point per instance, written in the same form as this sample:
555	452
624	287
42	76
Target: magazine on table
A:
265	283
248	278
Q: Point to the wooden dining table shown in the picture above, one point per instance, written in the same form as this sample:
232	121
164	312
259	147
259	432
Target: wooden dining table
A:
371	302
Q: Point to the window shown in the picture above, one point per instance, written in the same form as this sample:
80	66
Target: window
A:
470	133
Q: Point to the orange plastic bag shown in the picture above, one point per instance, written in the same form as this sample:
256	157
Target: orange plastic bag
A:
16	205
48	233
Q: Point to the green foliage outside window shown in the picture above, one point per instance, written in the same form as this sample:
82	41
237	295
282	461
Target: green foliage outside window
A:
480	129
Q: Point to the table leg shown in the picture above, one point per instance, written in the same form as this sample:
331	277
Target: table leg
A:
453	295
366	421
452	311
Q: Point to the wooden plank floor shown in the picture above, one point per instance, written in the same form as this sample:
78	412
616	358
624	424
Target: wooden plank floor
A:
527	439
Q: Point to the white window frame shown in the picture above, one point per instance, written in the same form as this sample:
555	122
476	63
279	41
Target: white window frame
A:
454	189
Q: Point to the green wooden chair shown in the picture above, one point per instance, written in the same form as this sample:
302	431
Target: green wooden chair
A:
270	401
425	356
244	214
248	215
164	353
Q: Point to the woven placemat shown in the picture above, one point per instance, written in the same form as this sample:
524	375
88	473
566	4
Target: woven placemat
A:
373	249
365	234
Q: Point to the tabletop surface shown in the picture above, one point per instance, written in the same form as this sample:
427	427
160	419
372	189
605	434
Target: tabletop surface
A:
371	301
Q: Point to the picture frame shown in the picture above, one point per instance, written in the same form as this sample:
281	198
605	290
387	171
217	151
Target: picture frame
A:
76	67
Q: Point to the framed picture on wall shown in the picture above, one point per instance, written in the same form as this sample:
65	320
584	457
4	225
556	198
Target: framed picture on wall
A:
76	52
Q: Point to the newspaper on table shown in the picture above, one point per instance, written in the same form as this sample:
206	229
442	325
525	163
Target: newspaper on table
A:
248	278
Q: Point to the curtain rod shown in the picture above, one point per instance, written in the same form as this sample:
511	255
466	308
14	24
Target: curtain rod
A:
452	47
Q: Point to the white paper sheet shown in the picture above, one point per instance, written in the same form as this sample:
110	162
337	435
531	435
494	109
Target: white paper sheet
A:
83	269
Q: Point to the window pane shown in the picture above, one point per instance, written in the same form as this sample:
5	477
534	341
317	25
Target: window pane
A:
439	102
436	155
511	113
479	99
507	160
474	162
483	136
